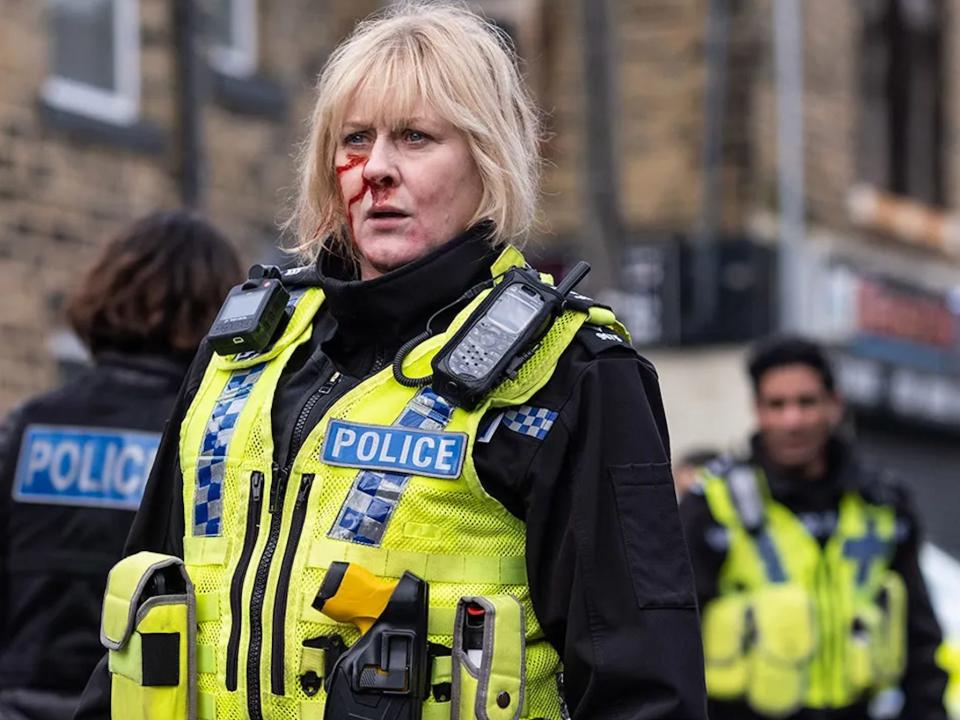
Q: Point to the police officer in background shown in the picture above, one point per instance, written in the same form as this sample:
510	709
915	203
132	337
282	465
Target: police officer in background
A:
813	605
540	510
73	462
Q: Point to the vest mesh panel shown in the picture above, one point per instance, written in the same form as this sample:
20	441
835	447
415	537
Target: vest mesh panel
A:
543	362
436	517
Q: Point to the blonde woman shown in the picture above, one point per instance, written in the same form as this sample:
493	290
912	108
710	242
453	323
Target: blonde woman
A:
540	513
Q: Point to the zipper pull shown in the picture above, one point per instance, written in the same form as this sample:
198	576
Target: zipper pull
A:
328	386
256	494
278	486
305	482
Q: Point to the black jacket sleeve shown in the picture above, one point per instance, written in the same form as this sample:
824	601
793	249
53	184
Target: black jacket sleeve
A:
158	525
925	682
10	431
609	575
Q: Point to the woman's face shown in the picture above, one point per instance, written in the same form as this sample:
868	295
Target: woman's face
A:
407	190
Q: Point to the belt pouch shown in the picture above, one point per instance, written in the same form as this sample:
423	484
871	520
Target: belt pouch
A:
488	663
149	628
783	617
727	639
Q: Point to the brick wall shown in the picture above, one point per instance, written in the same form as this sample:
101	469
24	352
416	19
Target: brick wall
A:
832	106
661	79
560	97
63	195
830	47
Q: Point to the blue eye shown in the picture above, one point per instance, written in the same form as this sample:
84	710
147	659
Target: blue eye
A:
355	138
415	136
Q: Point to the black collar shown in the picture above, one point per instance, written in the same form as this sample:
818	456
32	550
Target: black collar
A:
167	366
394	307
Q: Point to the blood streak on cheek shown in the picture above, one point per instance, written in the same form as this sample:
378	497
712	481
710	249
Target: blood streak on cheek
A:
359	196
352	162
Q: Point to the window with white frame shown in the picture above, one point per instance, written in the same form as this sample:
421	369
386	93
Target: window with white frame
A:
95	59
233	36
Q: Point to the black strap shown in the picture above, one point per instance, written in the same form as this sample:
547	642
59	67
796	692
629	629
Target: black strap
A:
442	692
333	647
304	276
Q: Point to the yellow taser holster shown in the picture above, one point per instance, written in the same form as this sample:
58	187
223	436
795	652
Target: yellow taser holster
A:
149	628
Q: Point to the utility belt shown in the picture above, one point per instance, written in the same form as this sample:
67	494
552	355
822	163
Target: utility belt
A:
149	627
762	647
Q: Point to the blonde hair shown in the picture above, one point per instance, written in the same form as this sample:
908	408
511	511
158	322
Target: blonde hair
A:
460	65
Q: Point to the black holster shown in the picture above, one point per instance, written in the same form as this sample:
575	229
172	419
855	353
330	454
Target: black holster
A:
384	675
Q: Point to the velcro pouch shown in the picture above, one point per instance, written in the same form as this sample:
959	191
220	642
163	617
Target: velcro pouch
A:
727	640
489	681
785	641
149	628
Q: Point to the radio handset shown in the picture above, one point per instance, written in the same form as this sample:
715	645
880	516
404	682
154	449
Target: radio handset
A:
500	335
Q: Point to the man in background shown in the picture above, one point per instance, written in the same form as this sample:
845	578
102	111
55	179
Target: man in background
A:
805	557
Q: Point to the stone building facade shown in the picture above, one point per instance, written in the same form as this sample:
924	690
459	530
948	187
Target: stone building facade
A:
70	178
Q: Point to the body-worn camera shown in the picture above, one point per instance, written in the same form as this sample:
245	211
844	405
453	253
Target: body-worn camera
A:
500	335
252	314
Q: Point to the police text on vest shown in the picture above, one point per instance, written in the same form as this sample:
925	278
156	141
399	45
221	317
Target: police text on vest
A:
394	448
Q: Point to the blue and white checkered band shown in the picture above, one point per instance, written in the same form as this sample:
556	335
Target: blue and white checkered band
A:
292	301
207	504
374	495
532	421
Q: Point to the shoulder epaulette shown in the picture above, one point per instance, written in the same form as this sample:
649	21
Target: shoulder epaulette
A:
302	276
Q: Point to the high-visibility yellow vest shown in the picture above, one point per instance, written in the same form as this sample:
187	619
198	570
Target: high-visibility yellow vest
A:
256	568
948	657
796	625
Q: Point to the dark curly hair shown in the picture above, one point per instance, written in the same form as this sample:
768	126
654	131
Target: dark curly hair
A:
789	350
156	287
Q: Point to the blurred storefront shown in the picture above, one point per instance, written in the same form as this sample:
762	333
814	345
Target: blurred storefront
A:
897	349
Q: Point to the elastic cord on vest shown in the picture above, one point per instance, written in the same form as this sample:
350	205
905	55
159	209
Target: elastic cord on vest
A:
398	374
